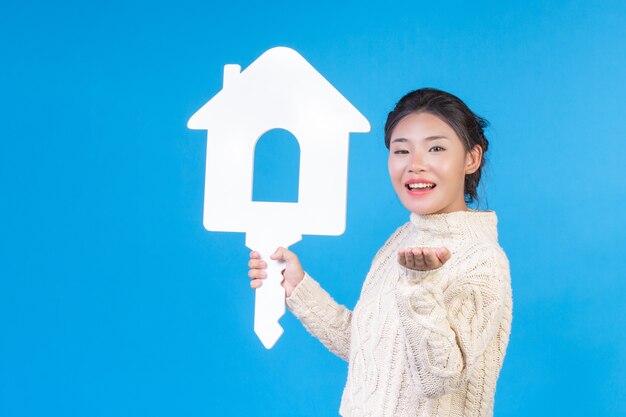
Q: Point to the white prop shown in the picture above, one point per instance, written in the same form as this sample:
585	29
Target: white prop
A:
278	90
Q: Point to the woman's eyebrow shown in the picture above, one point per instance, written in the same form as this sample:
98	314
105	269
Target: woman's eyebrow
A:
399	140
435	137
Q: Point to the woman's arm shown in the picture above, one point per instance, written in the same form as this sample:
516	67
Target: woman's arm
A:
322	316
445	333
314	307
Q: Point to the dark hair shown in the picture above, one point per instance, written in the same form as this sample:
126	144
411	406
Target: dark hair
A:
466	124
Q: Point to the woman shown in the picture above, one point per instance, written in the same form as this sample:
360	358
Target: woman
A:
429	333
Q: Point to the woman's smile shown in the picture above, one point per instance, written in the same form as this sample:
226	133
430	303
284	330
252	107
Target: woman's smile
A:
419	187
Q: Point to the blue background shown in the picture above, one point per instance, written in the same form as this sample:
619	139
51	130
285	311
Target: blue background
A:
114	301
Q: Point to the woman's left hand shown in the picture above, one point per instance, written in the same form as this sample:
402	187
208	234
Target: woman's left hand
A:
423	259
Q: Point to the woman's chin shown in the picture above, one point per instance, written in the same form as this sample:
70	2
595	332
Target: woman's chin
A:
422	210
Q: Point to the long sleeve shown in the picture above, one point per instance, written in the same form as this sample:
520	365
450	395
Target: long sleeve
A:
446	331
322	316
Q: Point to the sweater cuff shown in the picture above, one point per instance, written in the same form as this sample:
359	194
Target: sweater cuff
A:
413	276
306	295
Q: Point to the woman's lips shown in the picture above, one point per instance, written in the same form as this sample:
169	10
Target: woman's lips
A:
420	192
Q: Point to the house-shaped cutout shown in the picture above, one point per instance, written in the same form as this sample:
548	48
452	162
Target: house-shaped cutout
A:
280	89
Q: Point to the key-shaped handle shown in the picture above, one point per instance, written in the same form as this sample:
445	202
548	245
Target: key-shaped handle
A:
269	304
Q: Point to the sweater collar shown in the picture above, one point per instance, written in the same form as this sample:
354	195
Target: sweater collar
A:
468	224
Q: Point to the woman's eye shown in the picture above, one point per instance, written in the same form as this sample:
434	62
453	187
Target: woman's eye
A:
437	148
401	151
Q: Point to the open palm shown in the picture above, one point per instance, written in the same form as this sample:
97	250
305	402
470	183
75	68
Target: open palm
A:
423	259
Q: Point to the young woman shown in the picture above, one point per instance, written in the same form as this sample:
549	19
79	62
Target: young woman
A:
430	330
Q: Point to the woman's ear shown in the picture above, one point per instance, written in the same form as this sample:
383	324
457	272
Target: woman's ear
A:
473	158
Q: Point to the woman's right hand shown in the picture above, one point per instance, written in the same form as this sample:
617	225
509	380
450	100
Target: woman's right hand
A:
293	272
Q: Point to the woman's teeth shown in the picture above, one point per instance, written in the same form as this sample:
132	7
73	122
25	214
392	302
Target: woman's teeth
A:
420	186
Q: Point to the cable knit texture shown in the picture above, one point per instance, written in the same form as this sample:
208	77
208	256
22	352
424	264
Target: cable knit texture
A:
421	343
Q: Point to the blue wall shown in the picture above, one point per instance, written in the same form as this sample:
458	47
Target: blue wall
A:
114	301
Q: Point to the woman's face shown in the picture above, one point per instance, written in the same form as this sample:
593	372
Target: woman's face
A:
428	164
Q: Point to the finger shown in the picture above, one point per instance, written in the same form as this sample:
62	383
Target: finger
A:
401	257
255	255
279	254
256	264
431	258
428	262
443	254
409	259
257	274
283	254
418	258
256	283
435	259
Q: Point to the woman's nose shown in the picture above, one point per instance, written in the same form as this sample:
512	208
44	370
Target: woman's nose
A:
417	163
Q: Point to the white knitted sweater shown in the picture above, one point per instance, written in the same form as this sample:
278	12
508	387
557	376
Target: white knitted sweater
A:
421	343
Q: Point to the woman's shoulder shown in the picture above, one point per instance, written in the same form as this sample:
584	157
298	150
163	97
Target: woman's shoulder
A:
483	250
481	263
